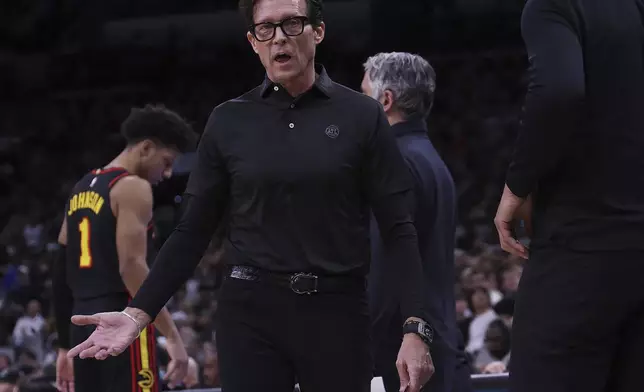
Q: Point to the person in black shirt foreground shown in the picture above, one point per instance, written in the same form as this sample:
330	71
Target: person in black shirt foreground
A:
404	84
579	315
295	165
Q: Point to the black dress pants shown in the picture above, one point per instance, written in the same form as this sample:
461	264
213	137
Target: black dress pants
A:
269	338
579	322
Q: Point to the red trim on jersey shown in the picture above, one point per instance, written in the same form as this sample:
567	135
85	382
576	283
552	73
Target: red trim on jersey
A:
152	347
133	366
108	170
115	179
137	344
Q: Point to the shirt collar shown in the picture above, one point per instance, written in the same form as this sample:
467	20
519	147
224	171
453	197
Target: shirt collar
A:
414	124
323	83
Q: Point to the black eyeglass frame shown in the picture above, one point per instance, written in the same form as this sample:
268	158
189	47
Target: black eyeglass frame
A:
304	20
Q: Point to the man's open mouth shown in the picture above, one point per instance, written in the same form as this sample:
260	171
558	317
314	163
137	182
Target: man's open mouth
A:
282	57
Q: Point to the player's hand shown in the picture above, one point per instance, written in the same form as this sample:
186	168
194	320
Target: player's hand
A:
113	334
509	209
178	365
192	378
64	372
415	365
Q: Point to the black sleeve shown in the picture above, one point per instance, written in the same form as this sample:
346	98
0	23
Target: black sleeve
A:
205	202
63	299
388	188
554	102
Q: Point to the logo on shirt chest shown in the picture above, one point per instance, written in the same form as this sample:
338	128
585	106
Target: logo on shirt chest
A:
332	131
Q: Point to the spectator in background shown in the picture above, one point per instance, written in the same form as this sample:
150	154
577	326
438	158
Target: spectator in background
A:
23	290
33	231
5	361
27	362
496	349
463	315
505	310
10	278
480	305
510	279
210	377
29	330
481	277
462	311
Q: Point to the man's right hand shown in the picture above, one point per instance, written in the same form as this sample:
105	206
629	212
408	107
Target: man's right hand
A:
179	359
113	334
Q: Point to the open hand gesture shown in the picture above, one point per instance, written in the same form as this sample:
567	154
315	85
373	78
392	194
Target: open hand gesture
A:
114	333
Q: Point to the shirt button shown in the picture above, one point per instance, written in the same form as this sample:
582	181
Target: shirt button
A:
291	125
292	105
276	88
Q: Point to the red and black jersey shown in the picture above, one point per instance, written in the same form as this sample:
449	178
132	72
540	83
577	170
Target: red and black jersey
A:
92	257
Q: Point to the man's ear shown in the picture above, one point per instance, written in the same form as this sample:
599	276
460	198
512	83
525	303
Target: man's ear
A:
318	32
146	148
252	41
387	100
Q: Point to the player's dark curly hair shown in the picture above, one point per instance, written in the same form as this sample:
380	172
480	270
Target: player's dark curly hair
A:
161	125
314	11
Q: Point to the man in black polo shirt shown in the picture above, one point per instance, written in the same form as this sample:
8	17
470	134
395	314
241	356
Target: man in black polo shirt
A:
579	316
296	164
404	84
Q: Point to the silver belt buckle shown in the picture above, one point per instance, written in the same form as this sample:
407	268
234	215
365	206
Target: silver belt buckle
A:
300	279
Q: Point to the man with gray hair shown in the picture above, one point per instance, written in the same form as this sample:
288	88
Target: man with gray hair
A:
404	84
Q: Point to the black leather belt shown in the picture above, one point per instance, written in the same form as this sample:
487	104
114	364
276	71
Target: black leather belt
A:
301	282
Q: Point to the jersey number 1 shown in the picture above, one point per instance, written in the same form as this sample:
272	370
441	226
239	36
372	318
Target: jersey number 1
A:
85	251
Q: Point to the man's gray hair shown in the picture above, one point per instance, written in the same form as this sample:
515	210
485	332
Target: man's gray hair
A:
409	77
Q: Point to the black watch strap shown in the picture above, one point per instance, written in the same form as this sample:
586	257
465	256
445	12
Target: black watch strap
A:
420	328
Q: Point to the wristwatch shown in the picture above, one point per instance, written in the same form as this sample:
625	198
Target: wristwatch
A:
420	328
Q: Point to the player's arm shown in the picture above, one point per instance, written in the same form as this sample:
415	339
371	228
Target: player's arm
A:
132	204
62	295
204	206
556	92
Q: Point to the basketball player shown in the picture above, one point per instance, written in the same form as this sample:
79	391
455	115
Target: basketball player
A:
103	259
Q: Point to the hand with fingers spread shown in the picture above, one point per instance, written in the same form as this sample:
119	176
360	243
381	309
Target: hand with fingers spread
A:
64	372
115	331
414	363
179	360
511	208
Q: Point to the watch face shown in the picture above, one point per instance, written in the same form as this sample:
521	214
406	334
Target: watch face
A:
422	329
427	331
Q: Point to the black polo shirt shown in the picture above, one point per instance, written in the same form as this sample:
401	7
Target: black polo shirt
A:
296	179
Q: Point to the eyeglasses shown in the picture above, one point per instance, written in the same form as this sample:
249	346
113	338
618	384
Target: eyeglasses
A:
292	27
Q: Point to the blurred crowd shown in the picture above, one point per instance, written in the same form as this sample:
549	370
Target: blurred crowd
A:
54	138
